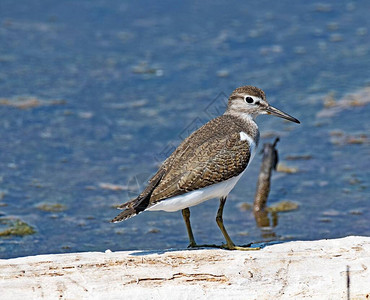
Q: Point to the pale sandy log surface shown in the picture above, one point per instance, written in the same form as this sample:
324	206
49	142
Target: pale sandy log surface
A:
292	270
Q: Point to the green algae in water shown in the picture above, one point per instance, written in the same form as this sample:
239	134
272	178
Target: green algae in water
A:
16	228
283	206
52	207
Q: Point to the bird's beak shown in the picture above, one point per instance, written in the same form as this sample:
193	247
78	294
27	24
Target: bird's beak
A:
276	112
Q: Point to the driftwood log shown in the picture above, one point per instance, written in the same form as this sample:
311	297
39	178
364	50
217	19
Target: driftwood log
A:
290	270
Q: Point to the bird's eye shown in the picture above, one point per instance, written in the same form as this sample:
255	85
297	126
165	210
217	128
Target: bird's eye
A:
249	99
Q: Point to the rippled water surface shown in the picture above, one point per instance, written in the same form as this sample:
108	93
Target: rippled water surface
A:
95	94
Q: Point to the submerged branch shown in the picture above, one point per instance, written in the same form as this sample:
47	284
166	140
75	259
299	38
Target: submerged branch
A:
269	162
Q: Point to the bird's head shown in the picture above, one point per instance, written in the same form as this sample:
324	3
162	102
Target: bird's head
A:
250	101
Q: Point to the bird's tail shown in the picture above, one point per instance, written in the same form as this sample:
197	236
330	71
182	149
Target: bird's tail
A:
139	204
132	208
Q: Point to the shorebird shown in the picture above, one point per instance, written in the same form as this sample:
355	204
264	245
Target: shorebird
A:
208	163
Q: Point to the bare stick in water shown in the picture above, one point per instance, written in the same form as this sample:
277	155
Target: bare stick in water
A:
269	162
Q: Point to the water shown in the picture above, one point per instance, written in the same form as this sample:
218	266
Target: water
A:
119	84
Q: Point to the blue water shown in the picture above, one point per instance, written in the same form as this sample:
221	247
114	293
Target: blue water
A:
137	77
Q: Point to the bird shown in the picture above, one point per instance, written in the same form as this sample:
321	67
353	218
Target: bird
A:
208	163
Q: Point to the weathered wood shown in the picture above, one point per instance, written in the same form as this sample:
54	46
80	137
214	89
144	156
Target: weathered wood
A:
293	270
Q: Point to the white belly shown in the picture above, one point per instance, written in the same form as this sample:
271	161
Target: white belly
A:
196	197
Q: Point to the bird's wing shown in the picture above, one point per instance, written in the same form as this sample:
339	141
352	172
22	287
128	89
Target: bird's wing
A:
215	160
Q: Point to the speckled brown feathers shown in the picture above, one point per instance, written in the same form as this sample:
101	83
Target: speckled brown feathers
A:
212	154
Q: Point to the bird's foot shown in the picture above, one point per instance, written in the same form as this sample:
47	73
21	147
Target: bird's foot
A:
225	246
240	248
193	245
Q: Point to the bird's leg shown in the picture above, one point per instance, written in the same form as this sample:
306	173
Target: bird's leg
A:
229	243
220	223
193	244
186	216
